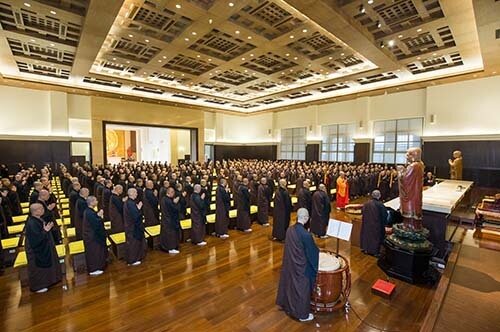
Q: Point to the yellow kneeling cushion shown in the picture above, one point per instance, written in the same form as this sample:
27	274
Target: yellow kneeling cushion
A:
294	200
188	210
212	207
253	209
118	238
25	204
153	230
15	229
10	243
26	210
233	213
211	218
71	232
64	200
107	225
19	219
65	213
186	224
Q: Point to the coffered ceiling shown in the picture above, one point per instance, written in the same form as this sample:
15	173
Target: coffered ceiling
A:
245	55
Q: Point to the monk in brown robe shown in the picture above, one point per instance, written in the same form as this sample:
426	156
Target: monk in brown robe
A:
150	208
44	269
48	215
170	223
281	211
94	238
456	166
222	206
243	222
320	212
410	189
134	229
374	217
263	200
198	216
299	270
116	209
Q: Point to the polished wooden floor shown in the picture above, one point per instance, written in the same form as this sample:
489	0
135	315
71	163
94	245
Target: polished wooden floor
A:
230	285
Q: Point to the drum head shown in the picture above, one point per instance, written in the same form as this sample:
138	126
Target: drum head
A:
328	262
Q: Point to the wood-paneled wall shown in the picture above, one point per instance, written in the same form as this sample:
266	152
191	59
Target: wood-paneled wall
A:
481	160
267	152
39	153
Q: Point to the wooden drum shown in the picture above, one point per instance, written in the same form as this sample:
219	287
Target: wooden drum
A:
333	283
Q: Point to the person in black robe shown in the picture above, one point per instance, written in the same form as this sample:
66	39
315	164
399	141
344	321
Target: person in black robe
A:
281	211
243	222
44	269
429	180
134	229
205	189
150	207
5	206
299	270
198	216
170	229
106	195
263	200
99	191
48	215
22	187
37	186
80	207
222	207
384	185
304	197
73	197
374	217
116	209
94	238
321	209
183	202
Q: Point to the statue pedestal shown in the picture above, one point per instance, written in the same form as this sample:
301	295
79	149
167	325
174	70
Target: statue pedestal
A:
409	266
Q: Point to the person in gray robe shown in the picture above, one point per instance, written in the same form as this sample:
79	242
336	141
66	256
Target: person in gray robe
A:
263	199
281	211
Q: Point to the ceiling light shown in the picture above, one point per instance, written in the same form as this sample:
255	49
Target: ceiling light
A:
418	58
114	59
434	54
32	40
186	39
341	54
295	58
53	12
400	36
193	33
182	74
249	37
379	25
419	30
330	58
198	56
209	59
52	45
251	54
231	4
288	54
362	9
164	57
292	37
128	61
146	40
178	6
391	43
304	31
370	2
242	59
210	21
27	4
131	36
159	60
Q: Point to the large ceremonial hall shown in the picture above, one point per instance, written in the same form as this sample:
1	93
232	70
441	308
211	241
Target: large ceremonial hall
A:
250	165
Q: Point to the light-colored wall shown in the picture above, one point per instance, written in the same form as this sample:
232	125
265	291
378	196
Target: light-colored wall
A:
464	110
115	110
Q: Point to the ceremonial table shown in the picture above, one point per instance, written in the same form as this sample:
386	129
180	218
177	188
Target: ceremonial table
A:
439	202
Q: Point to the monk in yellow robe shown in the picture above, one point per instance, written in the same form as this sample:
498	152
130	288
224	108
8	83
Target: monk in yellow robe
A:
342	191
